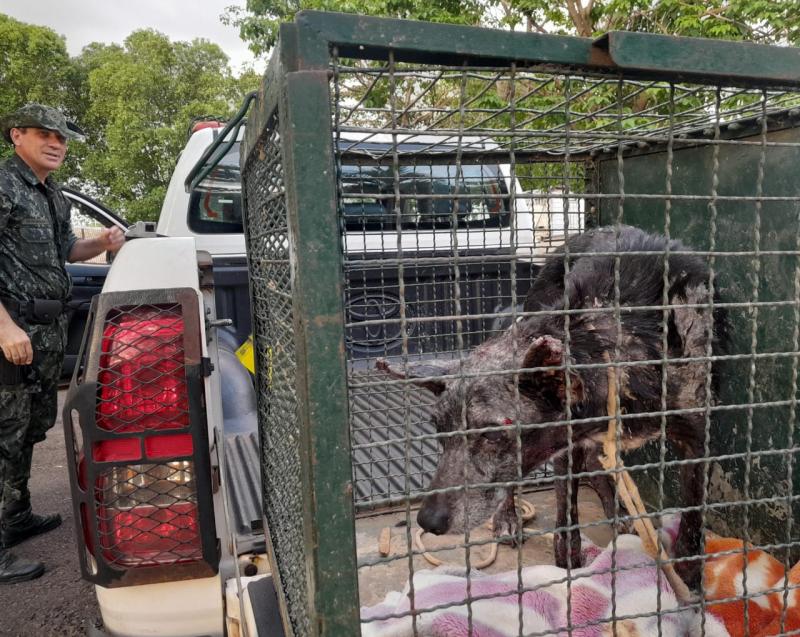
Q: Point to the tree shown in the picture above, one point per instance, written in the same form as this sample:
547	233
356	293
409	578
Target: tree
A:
135	102
765	21
258	23
142	97
34	64
34	67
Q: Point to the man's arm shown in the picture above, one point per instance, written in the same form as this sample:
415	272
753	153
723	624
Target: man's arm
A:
14	341
110	239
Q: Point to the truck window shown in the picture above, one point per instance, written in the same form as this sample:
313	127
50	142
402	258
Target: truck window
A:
428	195
215	206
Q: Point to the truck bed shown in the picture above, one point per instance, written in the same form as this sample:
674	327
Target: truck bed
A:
394	452
379	421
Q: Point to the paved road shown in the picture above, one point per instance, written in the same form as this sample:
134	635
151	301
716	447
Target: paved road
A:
59	602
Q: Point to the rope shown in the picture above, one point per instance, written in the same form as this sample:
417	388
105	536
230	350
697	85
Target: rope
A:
631	498
527	512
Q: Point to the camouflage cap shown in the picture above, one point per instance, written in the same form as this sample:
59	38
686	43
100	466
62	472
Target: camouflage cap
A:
39	116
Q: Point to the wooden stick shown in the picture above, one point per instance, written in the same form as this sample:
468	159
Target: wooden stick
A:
385	541
630	494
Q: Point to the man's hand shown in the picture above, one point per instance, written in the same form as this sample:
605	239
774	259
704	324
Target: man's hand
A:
15	343
111	239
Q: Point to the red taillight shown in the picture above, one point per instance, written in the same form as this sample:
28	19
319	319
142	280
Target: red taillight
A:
209	124
148	514
142	381
146	508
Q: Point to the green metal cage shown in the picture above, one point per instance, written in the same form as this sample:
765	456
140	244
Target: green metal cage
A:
364	244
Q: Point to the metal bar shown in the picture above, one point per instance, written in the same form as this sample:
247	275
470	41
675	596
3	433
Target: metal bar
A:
737	63
319	334
639	54
222	143
368	37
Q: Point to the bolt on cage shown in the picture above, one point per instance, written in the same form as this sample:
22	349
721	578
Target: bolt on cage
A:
404	184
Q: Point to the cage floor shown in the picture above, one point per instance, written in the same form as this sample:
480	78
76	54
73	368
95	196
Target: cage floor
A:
376	580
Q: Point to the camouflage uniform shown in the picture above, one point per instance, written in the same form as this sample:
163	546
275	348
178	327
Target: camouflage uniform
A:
35	238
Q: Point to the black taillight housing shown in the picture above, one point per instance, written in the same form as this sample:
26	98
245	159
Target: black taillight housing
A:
137	441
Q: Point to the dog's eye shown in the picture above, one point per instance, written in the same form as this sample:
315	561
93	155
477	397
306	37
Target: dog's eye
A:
494	436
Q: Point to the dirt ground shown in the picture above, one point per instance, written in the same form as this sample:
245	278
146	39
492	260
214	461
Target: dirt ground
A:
60	602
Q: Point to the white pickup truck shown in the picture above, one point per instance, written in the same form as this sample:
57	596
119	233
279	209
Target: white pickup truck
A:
160	417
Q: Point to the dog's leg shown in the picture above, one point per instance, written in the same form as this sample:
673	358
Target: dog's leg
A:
603	485
567	544
690	532
504	520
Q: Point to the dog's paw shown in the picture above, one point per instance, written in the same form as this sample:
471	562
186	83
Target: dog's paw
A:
506	526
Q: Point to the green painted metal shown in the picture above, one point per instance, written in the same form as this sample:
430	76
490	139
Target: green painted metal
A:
701	58
309	176
642	54
690	222
371	38
259	124
296	91
266	105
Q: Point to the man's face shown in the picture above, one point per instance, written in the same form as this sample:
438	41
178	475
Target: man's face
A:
42	149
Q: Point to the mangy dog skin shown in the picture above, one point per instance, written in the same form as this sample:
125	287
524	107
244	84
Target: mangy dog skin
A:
471	401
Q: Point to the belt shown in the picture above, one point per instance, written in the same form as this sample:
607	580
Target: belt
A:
41	311
13	306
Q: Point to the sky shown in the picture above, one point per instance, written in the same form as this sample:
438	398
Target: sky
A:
108	21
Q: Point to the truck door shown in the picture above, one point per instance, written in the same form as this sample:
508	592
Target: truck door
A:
88	218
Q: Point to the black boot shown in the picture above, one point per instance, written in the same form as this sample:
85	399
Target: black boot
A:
18	527
15	569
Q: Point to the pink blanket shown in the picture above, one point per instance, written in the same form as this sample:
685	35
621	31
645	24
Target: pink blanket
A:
440	596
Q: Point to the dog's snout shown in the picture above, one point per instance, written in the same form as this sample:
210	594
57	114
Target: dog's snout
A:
433	519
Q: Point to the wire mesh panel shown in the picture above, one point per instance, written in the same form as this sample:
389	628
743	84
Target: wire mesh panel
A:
569	292
147	513
268	253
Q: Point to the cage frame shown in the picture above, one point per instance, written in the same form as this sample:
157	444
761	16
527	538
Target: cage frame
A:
297	86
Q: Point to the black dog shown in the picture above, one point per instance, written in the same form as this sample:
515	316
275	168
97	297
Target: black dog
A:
470	401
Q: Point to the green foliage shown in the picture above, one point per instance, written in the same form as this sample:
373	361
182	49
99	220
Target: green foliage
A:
142	97
766	21
34	67
135	101
259	23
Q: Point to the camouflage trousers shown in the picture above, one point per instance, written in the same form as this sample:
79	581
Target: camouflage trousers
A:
27	412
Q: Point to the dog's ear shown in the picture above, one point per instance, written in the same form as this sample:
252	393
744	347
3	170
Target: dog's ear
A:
548	351
423	374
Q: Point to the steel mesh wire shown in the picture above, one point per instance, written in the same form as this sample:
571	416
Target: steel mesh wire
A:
147	514
603	151
268	249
